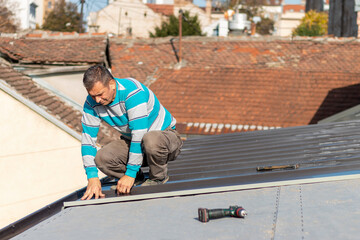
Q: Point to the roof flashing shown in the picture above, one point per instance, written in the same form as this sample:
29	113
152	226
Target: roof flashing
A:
191	192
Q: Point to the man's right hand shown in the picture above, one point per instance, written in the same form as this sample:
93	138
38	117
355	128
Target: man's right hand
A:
93	188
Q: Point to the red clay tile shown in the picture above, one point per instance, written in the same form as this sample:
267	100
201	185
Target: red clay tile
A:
77	50
34	35
165	9
262	98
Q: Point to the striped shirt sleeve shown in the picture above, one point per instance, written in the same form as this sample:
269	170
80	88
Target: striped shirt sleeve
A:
136	105
90	123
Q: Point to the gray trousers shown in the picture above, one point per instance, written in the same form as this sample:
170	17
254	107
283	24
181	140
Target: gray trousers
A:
158	147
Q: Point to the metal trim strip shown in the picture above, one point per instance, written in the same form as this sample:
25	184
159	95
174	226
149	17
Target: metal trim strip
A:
208	190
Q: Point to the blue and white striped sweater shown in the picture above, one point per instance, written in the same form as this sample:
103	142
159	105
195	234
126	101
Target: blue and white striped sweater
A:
134	111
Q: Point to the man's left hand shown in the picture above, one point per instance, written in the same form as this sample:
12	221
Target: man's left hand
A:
125	184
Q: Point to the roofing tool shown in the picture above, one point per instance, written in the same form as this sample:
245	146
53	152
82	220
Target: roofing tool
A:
280	167
233	211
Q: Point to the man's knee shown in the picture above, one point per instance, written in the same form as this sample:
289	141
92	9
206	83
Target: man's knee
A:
102	157
153	142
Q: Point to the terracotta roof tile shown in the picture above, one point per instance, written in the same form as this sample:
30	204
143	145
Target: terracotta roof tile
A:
77	50
248	84
165	9
133	59
293	8
257	99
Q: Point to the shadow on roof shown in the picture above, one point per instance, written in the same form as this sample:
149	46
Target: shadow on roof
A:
336	101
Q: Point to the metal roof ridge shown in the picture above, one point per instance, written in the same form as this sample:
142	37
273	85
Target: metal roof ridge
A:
148	196
5	87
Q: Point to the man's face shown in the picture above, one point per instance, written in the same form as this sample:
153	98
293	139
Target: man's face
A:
103	94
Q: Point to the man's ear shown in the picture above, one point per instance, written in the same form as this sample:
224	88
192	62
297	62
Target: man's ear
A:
112	84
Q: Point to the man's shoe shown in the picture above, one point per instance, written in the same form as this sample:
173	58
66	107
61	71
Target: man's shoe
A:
140	178
150	182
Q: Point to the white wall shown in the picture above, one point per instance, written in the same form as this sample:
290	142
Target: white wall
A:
112	18
121	15
69	85
21	9
288	22
39	162
194	10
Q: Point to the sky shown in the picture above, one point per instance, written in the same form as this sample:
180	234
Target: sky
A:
90	6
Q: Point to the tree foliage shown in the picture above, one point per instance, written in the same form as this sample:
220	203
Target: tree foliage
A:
254	8
265	26
8	23
313	24
190	26
64	18
251	7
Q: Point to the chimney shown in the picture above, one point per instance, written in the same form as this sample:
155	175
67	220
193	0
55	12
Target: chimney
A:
208	8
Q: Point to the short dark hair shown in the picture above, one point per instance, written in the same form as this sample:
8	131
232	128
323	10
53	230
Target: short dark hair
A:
95	74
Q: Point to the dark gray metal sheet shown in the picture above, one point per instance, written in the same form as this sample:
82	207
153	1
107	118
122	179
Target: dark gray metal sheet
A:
231	159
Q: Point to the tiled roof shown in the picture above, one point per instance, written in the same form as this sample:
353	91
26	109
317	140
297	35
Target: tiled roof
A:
75	50
240	84
243	100
26	87
140	59
165	9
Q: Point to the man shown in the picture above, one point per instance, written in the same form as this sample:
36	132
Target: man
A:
148	132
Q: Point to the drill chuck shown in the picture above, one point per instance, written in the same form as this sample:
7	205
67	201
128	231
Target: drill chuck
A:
233	211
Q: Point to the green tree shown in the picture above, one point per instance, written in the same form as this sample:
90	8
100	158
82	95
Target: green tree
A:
250	7
265	26
190	26
313	24
64	18
8	23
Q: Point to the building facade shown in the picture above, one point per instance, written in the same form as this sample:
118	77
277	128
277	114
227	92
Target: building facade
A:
29	13
134	18
290	18
48	6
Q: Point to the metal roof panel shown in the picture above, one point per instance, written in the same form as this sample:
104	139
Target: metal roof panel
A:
225	164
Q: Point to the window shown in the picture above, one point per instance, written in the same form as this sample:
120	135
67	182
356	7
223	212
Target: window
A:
49	4
33	7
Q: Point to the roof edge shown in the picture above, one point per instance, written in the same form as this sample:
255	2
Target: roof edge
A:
341	116
308	180
36	217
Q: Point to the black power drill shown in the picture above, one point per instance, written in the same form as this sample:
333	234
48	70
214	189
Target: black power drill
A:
233	211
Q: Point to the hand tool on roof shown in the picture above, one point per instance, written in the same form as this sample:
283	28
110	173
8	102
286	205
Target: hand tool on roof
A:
233	211
279	167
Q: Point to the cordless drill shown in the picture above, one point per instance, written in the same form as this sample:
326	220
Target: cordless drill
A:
233	211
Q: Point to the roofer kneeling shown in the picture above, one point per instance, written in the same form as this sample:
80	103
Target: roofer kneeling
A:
148	135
